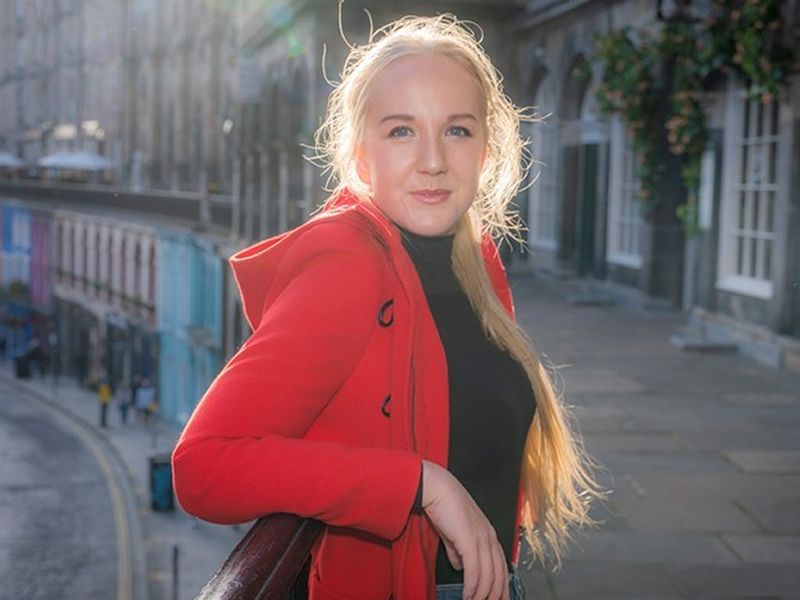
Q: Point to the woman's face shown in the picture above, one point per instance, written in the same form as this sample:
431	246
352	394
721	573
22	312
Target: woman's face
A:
423	142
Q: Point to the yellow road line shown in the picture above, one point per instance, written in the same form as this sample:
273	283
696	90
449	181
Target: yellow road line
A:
124	557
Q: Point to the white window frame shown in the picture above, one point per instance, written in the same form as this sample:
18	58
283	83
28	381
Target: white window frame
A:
623	202
542	219
727	277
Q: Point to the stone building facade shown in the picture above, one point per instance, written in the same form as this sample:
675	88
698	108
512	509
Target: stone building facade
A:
222	99
738	279
180	62
60	77
147	85
582	209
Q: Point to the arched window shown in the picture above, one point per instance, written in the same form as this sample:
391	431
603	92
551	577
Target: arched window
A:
624	204
137	268
151	275
123	266
543	192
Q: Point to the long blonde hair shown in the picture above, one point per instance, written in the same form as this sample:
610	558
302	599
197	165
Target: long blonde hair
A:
556	472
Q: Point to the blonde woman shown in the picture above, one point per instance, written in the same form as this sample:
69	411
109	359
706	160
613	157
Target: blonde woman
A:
386	389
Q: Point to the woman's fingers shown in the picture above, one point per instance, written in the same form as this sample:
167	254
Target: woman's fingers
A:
452	554
471	562
469	539
485	576
490	577
500	587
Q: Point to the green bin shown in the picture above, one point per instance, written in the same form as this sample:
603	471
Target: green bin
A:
161	495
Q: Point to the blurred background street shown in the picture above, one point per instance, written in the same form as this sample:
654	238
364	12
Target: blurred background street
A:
143	142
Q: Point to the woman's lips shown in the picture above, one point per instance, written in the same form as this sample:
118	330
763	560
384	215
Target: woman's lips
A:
431	196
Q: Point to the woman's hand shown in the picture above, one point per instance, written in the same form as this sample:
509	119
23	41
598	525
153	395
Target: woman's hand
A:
469	539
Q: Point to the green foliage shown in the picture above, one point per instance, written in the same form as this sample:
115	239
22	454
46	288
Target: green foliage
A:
628	89
741	36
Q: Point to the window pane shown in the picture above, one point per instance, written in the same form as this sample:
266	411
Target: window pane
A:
757	151
772	159
742	202
750	257
744	166
739	254
769	201
767	259
759	119
758	254
746	128
754	207
773	110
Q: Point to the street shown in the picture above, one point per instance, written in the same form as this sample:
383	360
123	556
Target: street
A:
700	452
57	529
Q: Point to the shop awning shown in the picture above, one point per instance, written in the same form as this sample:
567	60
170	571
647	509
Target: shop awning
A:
82	160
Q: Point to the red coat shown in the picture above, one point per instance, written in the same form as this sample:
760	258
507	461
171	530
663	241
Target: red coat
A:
329	407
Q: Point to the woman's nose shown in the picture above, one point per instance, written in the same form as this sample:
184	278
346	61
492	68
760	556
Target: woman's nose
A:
432	159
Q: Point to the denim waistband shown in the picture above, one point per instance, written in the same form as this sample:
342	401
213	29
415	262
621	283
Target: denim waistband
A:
455	591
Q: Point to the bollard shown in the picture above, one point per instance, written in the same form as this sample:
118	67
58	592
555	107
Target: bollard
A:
175	572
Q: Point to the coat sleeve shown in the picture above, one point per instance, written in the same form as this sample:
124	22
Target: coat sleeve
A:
242	454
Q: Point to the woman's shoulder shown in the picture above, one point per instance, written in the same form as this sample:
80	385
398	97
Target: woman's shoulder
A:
337	249
338	231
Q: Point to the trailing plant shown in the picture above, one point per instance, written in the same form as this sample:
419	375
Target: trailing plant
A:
738	36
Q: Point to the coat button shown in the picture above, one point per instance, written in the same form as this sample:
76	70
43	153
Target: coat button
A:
385	405
386	313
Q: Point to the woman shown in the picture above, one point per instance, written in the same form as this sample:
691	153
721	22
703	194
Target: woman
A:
385	364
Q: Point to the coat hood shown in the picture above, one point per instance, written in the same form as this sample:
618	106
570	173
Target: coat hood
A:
254	267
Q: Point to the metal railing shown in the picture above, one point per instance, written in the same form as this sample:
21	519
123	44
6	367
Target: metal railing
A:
266	562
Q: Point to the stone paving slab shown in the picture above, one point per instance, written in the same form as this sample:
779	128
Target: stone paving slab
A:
683	462
740	486
739	438
770	549
763	399
766	461
687	514
744	581
641	548
607	580
636	442
775	514
591	380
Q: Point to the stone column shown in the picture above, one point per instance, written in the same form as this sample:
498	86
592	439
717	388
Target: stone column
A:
236	197
249	196
308	188
283	189
263	197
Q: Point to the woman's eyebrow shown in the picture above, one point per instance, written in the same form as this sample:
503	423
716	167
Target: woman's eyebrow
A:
405	117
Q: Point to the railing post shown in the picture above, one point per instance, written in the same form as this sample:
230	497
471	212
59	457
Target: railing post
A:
265	564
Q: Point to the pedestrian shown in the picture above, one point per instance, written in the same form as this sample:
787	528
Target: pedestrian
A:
386	389
136	383
122	399
145	400
104	398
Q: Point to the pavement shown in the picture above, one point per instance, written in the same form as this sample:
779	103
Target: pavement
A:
700	452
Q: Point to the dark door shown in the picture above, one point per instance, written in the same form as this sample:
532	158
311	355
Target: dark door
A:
586	213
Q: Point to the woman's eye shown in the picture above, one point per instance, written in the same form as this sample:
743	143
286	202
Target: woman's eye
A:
401	131
459	131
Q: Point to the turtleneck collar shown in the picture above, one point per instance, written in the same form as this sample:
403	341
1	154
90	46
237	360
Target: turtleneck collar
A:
432	257
429	249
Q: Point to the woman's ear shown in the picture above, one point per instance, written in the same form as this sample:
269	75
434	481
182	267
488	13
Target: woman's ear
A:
361	165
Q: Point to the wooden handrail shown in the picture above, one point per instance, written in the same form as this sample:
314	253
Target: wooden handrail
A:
267	560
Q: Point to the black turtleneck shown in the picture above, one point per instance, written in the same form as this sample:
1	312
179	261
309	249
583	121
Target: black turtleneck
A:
491	402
